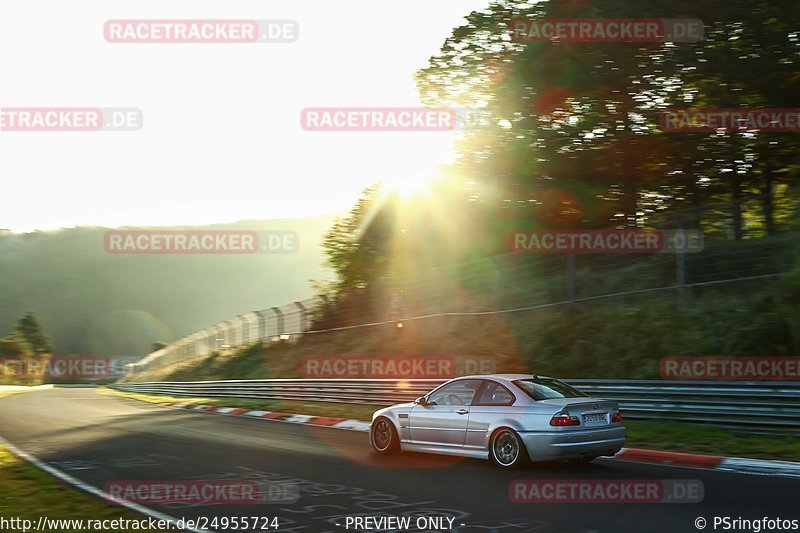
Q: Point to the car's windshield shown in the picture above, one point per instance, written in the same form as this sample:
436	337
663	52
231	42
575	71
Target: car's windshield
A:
546	389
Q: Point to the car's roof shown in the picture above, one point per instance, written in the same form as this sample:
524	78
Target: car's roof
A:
508	377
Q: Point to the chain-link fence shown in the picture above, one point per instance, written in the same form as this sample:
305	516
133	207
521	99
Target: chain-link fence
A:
264	325
749	250
522	281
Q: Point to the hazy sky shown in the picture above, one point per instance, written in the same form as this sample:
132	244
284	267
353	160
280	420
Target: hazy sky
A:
222	139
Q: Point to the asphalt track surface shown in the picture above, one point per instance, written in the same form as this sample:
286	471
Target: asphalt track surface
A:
97	439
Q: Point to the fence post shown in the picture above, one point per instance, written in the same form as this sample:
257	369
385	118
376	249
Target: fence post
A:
230	337
219	335
210	343
680	267
262	325
279	319
245	329
303	316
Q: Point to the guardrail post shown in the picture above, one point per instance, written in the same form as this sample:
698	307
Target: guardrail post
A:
303	316
280	320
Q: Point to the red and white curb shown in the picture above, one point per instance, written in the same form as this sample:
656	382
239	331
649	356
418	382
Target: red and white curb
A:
326	421
737	465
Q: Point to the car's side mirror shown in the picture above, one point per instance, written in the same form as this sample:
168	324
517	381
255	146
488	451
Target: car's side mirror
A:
421	401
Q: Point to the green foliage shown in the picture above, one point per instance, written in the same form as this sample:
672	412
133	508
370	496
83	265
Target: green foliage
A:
30	329
573	138
351	240
616	337
15	346
356	248
626	339
708	439
245	363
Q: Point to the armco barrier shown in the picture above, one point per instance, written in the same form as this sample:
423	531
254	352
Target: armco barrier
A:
750	406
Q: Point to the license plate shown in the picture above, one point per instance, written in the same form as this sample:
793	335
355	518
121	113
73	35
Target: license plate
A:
595	418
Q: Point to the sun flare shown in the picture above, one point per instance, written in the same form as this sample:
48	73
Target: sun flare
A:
411	186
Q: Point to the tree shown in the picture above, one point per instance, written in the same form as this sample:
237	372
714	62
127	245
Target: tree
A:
355	249
14	346
576	125
30	329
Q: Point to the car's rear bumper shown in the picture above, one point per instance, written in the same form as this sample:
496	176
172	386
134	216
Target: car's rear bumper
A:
553	445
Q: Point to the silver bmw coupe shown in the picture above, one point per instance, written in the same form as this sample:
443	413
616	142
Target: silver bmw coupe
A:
510	419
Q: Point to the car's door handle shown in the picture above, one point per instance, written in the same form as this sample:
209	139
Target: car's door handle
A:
462	411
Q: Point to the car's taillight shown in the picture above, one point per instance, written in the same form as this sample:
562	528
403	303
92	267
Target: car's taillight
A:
616	417
563	419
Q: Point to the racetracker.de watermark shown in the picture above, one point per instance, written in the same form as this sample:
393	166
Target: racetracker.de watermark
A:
379	119
645	241
396	366
606	491
200	492
70	119
710	120
607	30
201	31
58	366
200	242
766	368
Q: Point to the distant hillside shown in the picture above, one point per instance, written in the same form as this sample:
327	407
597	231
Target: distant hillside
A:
93	302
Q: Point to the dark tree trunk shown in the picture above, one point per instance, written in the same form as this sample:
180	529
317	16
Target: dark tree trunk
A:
692	219
630	203
767	202
736	210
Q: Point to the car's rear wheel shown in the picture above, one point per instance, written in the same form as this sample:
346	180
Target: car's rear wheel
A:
507	449
383	436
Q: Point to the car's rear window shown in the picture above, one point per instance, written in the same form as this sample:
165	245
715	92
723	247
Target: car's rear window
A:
546	389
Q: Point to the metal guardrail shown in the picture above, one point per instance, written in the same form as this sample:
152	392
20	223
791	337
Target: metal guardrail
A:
757	407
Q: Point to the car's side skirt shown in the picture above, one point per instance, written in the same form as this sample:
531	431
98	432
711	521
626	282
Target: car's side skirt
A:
442	450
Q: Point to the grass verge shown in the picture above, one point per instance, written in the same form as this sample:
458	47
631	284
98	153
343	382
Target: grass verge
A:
708	439
655	435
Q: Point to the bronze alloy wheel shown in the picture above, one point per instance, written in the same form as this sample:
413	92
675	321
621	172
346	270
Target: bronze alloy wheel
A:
508	451
383	436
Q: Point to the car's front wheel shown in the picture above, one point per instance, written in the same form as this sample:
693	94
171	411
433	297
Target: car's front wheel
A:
507	449
383	436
